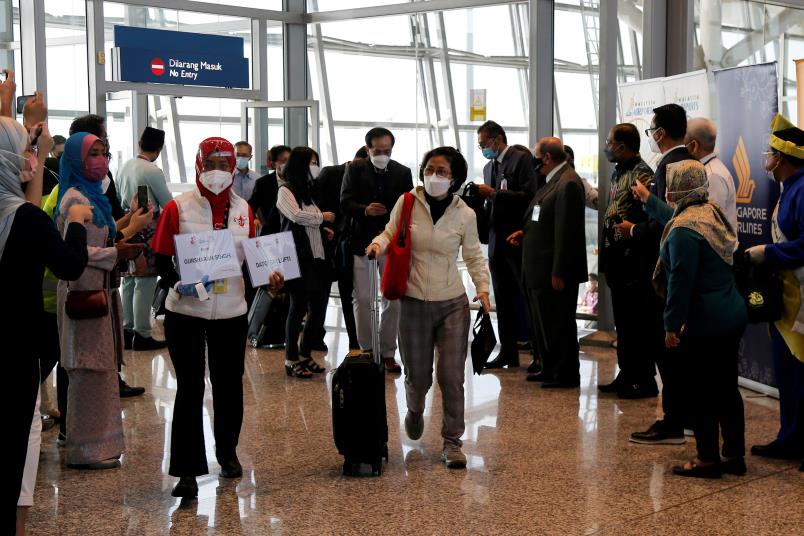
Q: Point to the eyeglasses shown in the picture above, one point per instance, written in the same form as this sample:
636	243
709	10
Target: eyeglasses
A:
443	172
649	130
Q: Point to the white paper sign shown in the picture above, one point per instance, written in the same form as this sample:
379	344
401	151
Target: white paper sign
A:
271	253
209	253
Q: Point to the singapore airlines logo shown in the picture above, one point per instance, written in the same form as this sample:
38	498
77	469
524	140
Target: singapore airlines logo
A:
745	186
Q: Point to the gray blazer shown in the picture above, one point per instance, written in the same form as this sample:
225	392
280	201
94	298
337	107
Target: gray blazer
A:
555	245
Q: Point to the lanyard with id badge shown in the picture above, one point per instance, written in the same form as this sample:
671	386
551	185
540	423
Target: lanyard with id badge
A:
537	209
221	286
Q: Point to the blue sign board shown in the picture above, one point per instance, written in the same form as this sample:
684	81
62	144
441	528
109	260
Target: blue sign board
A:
167	57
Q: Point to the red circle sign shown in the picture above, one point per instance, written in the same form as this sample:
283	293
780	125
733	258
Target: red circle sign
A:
158	66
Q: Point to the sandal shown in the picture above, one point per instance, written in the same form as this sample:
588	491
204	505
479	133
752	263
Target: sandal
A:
693	469
298	369
312	366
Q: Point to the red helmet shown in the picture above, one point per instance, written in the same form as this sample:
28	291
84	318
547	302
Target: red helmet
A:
212	146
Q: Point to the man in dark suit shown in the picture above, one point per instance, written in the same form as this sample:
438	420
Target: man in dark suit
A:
509	181
554	264
666	137
327	197
263	198
370	190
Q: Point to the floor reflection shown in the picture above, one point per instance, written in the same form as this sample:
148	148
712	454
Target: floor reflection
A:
539	462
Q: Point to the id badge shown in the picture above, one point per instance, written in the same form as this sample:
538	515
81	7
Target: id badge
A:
220	286
536	211
504	184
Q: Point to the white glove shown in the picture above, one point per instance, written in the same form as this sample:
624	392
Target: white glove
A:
756	254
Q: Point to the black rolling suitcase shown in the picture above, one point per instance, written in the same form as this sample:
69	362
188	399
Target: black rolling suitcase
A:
359	421
266	320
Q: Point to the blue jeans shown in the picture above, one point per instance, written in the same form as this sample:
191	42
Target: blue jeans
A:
137	294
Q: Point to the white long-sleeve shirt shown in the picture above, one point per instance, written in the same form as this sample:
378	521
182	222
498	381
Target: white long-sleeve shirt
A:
307	216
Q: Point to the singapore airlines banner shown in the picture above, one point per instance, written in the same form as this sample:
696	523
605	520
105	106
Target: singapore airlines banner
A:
638	99
747	102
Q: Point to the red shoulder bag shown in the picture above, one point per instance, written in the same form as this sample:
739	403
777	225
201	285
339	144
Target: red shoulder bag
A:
394	282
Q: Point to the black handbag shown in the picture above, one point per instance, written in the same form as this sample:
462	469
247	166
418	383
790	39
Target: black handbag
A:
483	342
761	289
473	200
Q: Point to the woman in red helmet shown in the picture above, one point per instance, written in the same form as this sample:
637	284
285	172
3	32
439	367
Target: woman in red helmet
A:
217	324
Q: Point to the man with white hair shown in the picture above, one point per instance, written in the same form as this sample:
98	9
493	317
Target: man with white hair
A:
700	141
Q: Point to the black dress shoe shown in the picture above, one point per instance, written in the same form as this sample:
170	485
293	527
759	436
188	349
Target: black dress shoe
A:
141	344
187	487
699	471
534	367
658	434
560	385
231	468
612	387
128	337
126	391
636	391
735	466
510	360
539	377
774	450
523	346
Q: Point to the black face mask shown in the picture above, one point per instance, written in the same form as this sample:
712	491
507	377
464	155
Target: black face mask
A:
537	164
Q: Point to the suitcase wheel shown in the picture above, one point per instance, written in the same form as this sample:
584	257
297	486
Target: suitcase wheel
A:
254	342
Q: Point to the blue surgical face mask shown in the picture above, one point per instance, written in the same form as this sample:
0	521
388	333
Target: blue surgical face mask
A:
490	153
242	162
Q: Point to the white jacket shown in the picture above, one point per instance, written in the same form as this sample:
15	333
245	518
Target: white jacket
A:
434	249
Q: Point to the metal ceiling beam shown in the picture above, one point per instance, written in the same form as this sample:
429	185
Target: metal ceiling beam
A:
771	30
398	9
226	10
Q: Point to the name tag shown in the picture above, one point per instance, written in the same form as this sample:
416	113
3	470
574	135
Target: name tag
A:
220	286
536	211
504	184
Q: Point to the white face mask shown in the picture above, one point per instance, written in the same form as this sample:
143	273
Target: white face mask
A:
654	145
436	185
380	161
216	180
315	171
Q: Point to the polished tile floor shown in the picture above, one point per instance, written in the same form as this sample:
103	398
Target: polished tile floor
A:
540	462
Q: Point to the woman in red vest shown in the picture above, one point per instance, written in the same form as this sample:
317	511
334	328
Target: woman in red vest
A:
216	323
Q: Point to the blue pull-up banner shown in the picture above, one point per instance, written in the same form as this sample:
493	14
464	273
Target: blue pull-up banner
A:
167	57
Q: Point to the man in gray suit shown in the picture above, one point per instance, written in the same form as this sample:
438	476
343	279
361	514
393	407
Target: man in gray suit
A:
509	181
554	265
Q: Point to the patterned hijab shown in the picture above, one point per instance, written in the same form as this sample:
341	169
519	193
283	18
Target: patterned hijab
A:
688	188
71	175
13	140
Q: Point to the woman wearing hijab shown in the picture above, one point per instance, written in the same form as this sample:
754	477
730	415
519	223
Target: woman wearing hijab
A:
704	314
92	348
216	324
300	215
29	242
435	308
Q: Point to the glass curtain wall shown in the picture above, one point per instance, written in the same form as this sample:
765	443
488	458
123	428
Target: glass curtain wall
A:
729	33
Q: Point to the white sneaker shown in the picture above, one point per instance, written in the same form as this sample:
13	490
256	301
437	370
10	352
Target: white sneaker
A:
454	457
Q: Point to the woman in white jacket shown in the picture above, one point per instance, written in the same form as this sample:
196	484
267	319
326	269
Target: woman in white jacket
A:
435	308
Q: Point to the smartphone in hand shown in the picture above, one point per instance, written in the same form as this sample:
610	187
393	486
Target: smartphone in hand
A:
21	100
142	197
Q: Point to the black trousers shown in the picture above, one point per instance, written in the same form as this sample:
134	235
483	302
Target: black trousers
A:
714	404
558	340
506	277
306	297
669	362
225	344
640	330
19	396
50	359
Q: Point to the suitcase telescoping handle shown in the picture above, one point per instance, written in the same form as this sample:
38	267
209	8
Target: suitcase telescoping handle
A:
374	306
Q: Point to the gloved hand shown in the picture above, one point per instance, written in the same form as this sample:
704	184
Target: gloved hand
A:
190	290
756	254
